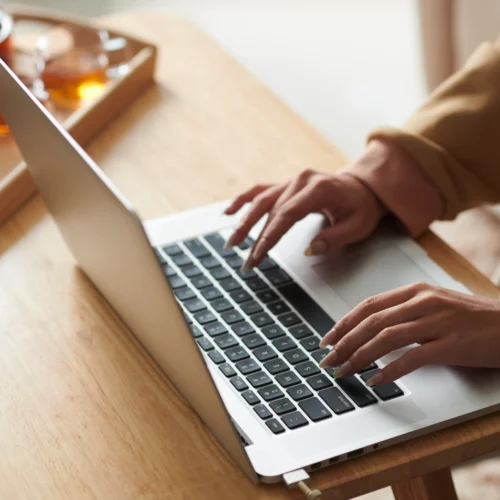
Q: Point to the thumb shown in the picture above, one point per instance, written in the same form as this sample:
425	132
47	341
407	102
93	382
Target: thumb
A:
335	237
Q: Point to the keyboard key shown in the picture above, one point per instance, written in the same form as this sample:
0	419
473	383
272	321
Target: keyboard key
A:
201	282
296	356
205	344
267	296
168	270
276	366
253	341
262	411
242	328
300	331
176	282
294	420
182	260
284	344
216	241
256	284
236	354
259	379
319	382
261	319
267	264
273	331
195	332
197	248
371	366
210	263
270	393
184	293
229	284
287	379
246	243
220	273
307	369
383	391
277	277
227	370
231	317
274	426
211	293
299	392
251	307
278	307
356	391
247	367
225	341
314	409
240	296
191	271
336	400
282	406
205	317
235	262
239	384
311	343
250	397
172	250
248	275
319	355
289	319
195	305
214	329
221	305
264	353
308	308
217	357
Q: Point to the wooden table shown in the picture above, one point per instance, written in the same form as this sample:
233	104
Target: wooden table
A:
84	412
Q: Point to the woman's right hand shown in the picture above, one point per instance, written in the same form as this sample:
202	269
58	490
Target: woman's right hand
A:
351	208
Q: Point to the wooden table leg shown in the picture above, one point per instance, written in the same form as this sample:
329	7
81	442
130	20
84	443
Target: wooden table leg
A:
435	486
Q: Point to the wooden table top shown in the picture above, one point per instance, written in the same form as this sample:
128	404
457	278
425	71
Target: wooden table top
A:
84	412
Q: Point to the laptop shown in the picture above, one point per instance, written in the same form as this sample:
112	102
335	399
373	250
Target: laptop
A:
243	350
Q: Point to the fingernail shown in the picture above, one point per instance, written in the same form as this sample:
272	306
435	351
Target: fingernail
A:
259	250
342	370
324	342
247	265
316	248
329	359
229	242
375	380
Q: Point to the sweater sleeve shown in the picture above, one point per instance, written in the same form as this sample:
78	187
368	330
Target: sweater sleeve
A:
454	138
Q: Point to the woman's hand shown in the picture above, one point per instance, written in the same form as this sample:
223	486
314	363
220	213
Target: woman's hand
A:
452	328
352	209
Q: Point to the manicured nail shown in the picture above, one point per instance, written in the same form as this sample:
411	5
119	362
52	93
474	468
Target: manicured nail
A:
375	380
329	359
259	250
325	343
229	242
247	265
316	248
342	370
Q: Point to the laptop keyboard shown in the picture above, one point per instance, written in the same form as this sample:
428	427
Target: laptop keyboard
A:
263	331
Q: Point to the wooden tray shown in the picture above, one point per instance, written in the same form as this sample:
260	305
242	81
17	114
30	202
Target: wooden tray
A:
16	184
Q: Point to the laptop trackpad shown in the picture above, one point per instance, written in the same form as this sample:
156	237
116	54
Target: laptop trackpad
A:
370	268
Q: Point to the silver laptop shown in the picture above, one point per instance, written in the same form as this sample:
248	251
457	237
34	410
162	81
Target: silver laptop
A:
244	349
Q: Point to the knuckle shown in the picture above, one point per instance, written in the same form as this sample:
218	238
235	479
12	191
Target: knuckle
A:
374	321
368	304
418	287
305	174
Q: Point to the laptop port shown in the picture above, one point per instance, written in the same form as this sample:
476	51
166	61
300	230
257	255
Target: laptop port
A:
315	466
355	453
333	460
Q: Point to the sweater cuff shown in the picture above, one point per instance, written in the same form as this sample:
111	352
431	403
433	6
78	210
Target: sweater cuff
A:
400	184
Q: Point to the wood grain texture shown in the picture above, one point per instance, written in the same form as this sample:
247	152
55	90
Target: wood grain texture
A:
84	411
436	485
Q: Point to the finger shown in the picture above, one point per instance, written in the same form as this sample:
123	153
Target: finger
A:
388	340
260	206
296	208
371	306
428	354
372	327
245	197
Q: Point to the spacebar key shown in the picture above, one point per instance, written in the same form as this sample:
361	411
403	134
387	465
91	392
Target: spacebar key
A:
308	308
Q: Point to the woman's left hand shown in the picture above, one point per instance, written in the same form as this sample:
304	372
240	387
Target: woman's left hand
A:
451	328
